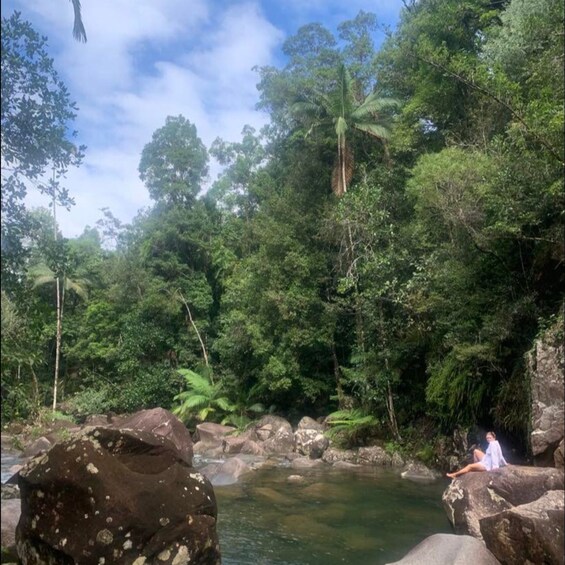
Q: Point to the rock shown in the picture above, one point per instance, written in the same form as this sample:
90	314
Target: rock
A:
295	479
373	455
226	473
10	491
275	433
332	455
97	420
15	468
396	460
345	465
207	449
11	511
449	549
558	456
311	441
308	423
418	472
38	446
161	423
475	496
241	445
529	533
306	463
213	434
114	496
546	366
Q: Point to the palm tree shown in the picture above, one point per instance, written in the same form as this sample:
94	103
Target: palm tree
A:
341	109
42	275
79	33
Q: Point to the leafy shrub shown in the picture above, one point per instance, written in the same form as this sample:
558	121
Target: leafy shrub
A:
152	387
93	400
350	427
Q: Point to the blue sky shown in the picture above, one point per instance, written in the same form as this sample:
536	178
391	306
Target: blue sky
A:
148	59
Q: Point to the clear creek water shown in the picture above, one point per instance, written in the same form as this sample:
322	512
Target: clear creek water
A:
359	517
366	516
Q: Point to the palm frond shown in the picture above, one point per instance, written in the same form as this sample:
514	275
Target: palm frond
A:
191	400
375	130
198	383
79	33
79	287
374	104
224	404
42	280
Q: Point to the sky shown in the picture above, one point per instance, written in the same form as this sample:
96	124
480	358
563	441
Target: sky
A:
148	59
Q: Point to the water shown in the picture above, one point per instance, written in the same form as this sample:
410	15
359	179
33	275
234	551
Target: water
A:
366	517
8	460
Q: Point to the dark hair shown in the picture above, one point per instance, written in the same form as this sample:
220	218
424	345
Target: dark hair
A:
491	434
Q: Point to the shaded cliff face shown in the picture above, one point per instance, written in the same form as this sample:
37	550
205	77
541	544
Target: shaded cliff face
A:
546	366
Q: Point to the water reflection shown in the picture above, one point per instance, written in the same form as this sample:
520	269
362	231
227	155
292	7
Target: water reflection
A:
369	516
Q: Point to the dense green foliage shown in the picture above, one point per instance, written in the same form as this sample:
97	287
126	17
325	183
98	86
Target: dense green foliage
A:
410	297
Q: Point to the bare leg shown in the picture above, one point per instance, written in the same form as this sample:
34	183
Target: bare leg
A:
478	455
467	469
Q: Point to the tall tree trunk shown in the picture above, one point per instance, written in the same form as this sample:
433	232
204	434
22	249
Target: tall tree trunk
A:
204	354
337	374
57	342
341	145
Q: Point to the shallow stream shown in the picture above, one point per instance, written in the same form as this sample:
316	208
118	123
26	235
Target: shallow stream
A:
366	516
359	517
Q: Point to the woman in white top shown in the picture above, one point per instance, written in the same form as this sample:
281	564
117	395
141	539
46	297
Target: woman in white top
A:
492	459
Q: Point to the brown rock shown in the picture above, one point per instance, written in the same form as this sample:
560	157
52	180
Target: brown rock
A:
161	423
11	510
475	496
38	446
213	434
529	533
546	365
110	495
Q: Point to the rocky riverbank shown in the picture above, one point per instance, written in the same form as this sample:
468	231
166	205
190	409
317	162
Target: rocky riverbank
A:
136	463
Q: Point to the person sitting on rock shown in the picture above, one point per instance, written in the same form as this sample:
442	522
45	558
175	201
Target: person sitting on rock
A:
492	459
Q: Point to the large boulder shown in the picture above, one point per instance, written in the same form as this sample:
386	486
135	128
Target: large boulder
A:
529	533
162	423
40	445
232	445
274	434
212	434
11	511
309	438
449	549
475	496
546	367
116	496
373	455
334	455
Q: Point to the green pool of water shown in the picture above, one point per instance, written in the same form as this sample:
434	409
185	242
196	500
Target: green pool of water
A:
366	517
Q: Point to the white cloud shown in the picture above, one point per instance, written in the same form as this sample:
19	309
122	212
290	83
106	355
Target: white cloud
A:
147	59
